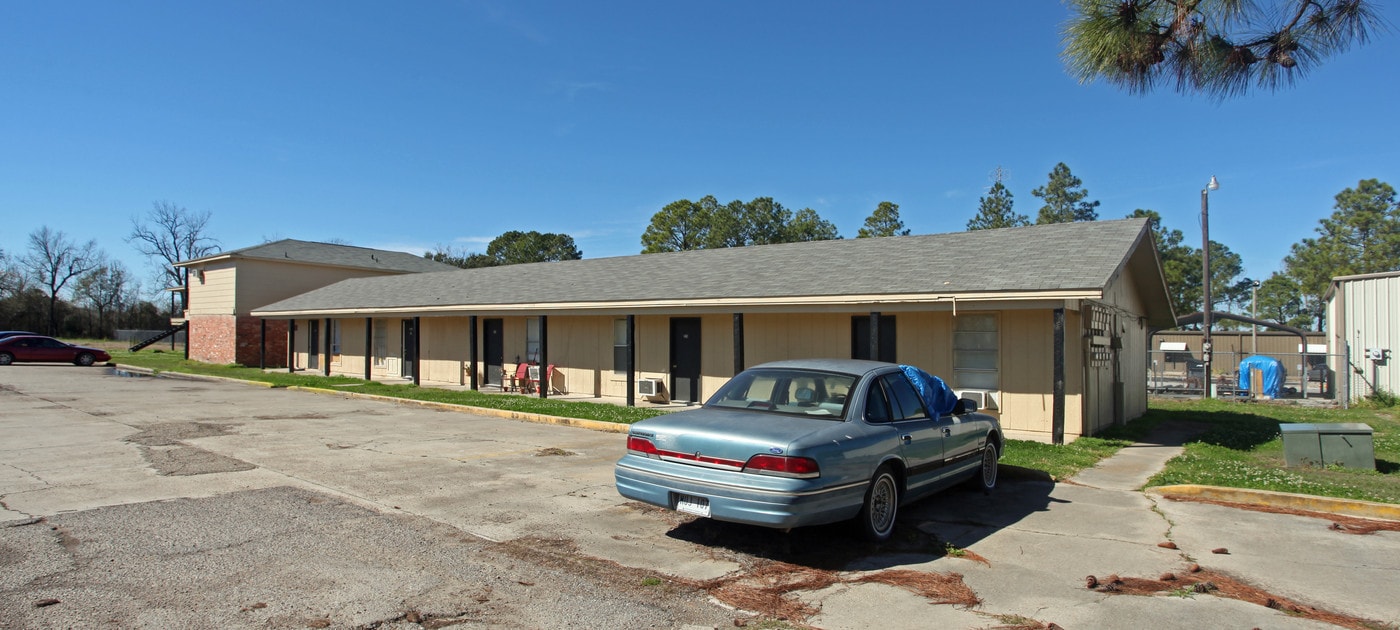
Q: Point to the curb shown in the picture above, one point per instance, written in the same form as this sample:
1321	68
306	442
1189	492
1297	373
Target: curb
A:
1268	498
186	376
537	418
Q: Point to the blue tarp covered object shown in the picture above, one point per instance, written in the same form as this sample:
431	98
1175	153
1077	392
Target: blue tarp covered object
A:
1272	370
932	389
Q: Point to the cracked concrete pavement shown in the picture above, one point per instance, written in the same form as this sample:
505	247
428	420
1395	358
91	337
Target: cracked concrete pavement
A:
406	501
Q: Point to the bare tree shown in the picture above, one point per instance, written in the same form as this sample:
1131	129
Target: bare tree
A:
105	291
53	260
12	280
170	234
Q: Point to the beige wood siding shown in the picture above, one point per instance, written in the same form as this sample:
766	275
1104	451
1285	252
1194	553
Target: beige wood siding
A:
779	336
352	348
214	294
262	282
1028	374
442	348
926	340
581	350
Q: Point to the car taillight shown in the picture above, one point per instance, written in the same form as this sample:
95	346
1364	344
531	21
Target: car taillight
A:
783	466
642	446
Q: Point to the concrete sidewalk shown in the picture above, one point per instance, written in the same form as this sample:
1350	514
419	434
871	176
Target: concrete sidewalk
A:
79	442
1041	540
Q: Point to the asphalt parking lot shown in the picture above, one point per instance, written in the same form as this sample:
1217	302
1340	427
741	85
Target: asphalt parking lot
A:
161	502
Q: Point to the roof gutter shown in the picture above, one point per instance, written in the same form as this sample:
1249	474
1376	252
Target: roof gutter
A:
825	302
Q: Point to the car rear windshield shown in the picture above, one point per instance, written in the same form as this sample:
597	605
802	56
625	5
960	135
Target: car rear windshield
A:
802	392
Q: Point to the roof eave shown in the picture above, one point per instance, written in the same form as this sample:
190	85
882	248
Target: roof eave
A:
822	302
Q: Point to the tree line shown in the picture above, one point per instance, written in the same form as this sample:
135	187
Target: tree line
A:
62	287
1362	235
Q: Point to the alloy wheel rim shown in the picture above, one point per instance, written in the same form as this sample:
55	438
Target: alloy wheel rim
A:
882	505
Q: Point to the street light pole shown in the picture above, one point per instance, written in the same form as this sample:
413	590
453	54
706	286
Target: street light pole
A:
1254	314
1205	286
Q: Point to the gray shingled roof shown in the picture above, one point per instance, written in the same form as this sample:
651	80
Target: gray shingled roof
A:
313	253
1072	256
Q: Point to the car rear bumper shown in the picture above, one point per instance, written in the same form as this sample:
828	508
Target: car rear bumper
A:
738	497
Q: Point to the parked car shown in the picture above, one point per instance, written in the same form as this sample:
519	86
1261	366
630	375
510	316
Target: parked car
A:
807	442
34	348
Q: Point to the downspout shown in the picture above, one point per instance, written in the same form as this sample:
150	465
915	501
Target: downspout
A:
291	346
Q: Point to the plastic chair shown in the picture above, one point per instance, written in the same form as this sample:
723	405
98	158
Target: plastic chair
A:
520	381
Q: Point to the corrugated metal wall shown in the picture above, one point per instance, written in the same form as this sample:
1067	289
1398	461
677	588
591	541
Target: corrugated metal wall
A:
1370	320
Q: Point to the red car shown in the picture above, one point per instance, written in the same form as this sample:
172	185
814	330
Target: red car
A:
48	349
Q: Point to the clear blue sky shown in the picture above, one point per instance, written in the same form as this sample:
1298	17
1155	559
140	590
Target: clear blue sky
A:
405	125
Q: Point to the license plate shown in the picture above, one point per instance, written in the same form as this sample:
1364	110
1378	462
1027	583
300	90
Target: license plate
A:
699	506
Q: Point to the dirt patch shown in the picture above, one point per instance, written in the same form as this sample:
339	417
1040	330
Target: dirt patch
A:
1340	522
171	433
769	588
183	460
1208	582
553	452
766	588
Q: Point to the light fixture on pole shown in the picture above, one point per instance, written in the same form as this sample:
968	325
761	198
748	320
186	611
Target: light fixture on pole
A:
1205	285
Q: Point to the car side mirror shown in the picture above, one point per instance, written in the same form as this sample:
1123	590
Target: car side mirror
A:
964	405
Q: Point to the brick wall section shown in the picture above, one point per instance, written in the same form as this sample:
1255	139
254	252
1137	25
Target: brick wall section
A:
212	338
225	339
249	341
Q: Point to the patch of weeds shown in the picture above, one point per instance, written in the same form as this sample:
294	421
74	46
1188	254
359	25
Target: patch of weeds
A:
1382	399
1183	592
651	581
949	549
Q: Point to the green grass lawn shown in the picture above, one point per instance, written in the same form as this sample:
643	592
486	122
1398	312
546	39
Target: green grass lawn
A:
1240	446
175	362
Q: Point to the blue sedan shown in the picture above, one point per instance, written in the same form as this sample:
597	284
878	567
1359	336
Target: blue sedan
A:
807	442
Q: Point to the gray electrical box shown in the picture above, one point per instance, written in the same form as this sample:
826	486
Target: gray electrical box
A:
1343	444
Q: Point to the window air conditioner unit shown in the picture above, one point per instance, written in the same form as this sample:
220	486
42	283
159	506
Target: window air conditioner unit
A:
649	387
985	399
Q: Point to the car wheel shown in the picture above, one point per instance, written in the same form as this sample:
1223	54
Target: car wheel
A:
986	478
877	514
6	358
85	359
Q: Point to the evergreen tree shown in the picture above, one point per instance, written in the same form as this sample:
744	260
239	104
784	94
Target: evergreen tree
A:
994	211
1064	197
884	221
807	225
1361	236
1216	48
680	226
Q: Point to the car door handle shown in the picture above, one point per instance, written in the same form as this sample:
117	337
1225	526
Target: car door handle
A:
906	438
947	432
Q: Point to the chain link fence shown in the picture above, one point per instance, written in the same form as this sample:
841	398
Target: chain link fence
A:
1182	373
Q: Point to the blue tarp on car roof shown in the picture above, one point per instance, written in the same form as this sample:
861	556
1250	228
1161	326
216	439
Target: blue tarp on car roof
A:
1272	370
932	389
